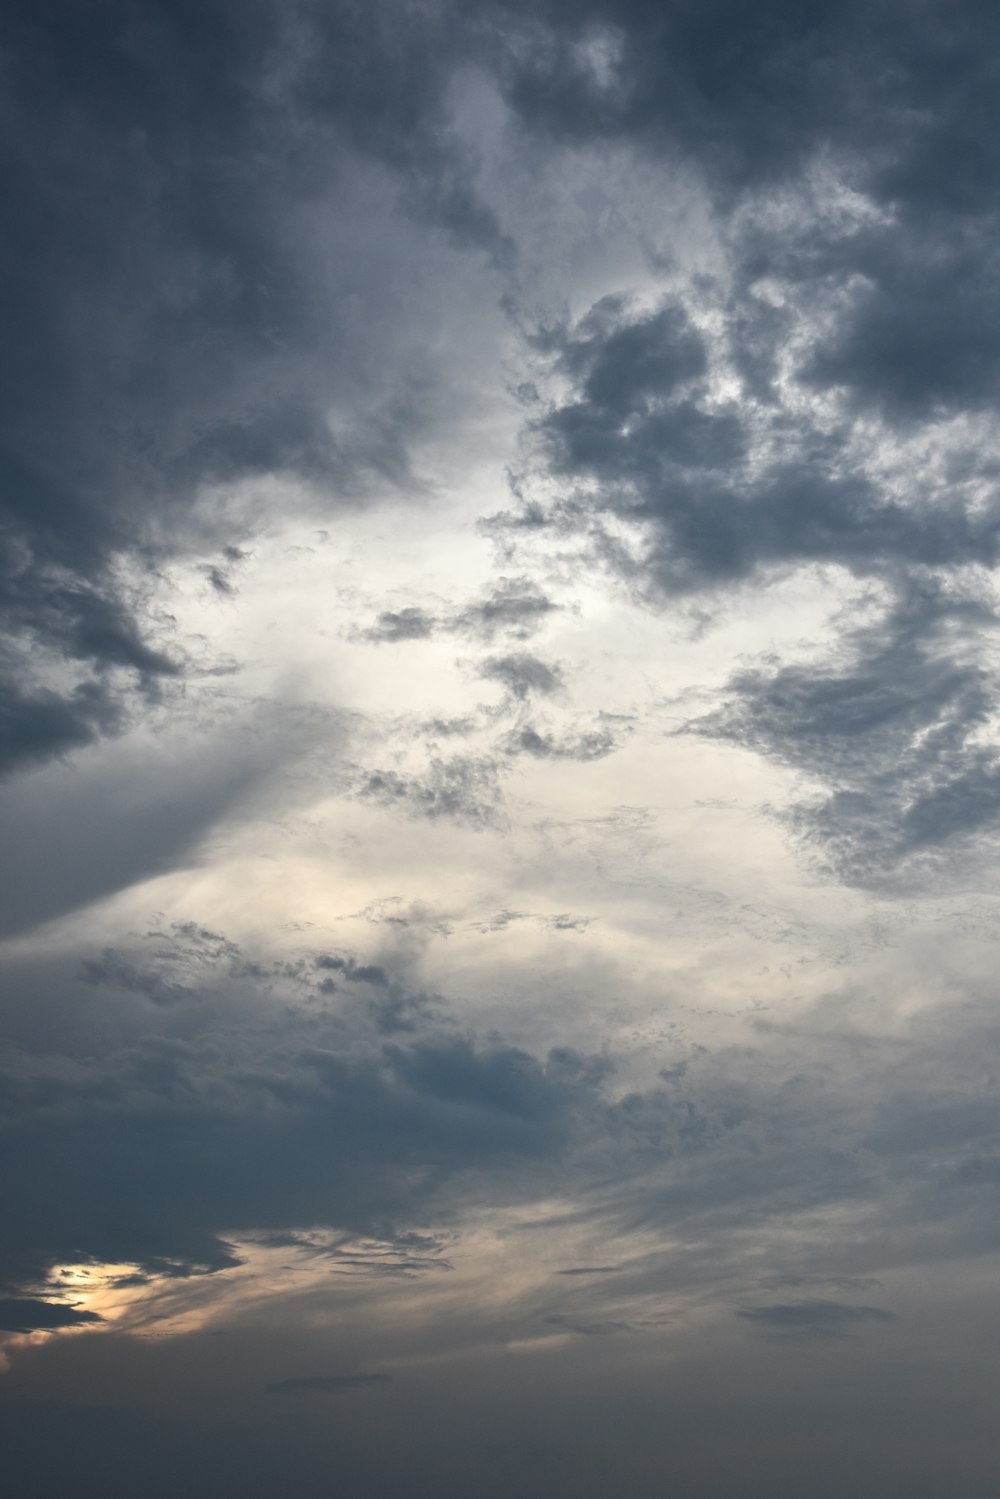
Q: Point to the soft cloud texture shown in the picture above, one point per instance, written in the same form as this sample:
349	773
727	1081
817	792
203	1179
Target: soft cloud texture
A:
499	749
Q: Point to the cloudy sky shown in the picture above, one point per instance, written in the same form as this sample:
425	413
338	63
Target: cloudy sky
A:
500	748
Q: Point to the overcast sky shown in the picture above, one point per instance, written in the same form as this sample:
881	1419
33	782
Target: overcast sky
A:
500	752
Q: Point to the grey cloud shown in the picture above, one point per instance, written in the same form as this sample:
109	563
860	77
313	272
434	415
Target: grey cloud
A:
203	251
78	619
588	1329
113	969
590	1270
220	574
562	921
799	1320
220	581
896	722
177	787
516	605
522	674
170	323
50	618
619	363
362	973
447	728
400	1011
211	272
919	337
258	1113
845	153
39	725
466	787
27	1314
593	744
405	624
748	95
389	911
326	1384
505	1081
719	503
889	722
395	1008
908	295
566	922
154	1152
404	1254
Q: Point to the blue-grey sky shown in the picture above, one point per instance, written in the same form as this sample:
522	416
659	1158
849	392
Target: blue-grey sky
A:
499	748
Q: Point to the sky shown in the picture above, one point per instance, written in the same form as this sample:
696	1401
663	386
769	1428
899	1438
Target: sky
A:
499	748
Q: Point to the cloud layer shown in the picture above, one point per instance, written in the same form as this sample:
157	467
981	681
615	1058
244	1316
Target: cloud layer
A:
499	748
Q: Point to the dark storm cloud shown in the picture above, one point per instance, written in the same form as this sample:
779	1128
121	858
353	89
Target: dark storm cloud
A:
168	321
905	295
920	335
749	93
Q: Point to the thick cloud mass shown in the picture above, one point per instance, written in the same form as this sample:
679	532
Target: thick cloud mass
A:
499	747
171	323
